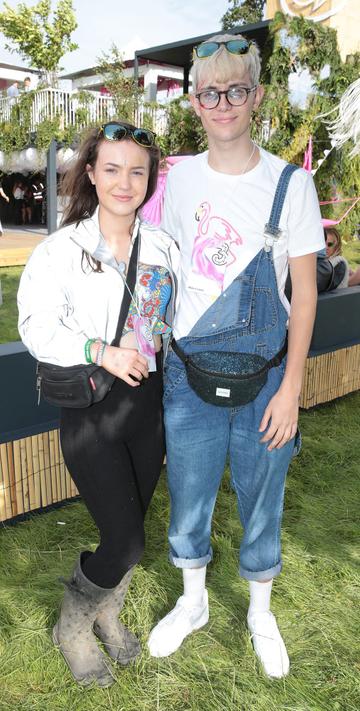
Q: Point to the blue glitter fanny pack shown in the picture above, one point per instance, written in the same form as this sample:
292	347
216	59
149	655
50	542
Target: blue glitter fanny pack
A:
227	379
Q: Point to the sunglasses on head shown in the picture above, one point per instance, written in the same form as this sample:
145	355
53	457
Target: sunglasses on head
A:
114	131
207	49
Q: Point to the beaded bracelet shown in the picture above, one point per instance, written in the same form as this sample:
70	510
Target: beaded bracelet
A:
88	345
100	353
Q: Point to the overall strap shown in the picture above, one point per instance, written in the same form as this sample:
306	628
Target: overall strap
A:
272	226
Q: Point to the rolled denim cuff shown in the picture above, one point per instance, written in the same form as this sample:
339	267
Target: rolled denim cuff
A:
191	562
261	575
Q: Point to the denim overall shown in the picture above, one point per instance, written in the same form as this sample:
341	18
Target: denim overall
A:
247	317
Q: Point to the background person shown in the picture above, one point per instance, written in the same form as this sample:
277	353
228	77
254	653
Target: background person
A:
69	300
334	253
28	205
13	90
18	195
38	190
5	197
27	84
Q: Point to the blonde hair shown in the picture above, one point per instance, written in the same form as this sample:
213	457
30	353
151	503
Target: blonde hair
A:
222	66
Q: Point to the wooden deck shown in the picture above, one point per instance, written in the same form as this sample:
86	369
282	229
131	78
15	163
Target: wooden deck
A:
17	245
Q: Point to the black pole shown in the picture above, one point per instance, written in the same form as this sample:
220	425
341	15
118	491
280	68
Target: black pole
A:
51	188
186	79
136	68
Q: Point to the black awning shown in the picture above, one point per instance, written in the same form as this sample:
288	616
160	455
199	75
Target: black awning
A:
179	54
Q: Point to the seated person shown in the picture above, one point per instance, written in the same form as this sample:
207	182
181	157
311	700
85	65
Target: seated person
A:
333	253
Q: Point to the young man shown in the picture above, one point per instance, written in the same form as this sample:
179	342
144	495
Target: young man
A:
231	298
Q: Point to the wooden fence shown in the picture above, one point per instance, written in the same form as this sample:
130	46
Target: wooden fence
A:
33	475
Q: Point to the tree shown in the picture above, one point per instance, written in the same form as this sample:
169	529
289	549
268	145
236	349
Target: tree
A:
296	44
243	12
124	90
38	38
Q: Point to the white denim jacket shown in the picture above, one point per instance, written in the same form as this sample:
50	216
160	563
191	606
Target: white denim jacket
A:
62	302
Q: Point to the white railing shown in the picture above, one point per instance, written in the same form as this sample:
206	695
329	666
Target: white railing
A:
50	103
156	116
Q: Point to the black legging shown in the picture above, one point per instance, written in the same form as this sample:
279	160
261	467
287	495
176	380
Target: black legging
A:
114	451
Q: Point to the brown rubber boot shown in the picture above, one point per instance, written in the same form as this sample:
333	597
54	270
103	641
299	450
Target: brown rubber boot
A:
73	633
119	642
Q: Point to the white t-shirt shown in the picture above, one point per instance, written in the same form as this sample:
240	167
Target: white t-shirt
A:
218	221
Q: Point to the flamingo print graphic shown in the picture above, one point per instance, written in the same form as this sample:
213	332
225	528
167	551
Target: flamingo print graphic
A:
212	252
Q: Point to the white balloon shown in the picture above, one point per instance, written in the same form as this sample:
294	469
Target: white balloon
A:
21	164
41	160
12	162
31	158
64	159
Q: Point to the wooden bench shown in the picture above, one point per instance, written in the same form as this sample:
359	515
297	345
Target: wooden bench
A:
333	365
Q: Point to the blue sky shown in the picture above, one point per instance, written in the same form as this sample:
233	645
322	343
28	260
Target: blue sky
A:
135	24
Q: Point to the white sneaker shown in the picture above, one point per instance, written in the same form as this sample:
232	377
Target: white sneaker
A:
268	644
171	631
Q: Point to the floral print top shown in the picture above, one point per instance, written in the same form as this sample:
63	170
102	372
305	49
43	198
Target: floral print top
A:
148	307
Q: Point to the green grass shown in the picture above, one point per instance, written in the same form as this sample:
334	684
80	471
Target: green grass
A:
316	598
351	250
9	279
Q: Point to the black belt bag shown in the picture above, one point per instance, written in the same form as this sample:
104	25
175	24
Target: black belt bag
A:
73	386
227	379
80	386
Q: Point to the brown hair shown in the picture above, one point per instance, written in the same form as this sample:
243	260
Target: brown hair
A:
338	247
76	186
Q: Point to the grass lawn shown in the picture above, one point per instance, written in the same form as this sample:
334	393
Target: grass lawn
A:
316	599
351	251
9	280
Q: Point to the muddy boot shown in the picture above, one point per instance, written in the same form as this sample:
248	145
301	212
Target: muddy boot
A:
119	642
73	633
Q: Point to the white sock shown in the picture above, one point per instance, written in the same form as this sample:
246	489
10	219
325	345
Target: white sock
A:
260	595
194	584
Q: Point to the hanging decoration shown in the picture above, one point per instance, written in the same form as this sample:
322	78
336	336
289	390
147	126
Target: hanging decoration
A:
346	125
307	164
296	7
152	210
331	223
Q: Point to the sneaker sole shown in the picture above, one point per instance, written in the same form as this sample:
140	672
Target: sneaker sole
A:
268	676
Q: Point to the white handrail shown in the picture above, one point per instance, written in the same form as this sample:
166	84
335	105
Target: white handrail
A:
67	105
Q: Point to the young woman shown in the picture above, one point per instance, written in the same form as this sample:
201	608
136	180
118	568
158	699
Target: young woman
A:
69	301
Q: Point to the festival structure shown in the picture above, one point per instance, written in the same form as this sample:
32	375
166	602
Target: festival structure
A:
341	15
